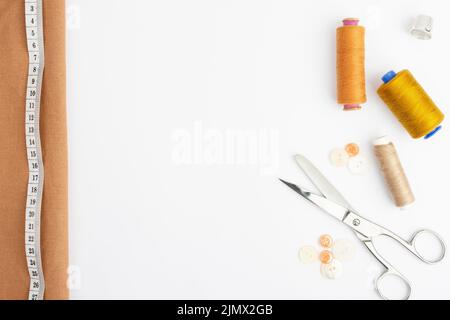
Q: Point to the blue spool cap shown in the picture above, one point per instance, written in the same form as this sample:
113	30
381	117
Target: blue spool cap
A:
432	133
388	76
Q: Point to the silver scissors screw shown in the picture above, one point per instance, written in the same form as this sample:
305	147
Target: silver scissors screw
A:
356	222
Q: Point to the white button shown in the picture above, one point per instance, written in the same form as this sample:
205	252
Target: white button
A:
307	254
344	250
357	165
332	270
422	28
338	157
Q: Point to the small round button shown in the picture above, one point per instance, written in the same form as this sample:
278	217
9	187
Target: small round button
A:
326	241
423	25
338	157
343	250
357	165
352	149
325	256
307	254
332	270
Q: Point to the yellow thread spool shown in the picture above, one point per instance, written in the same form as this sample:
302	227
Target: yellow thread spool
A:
350	69
411	105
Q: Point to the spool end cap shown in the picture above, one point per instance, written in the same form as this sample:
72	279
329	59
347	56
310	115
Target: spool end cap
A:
432	133
388	76
350	21
351	107
382	141
406	206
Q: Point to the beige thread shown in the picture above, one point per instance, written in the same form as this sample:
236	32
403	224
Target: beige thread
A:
393	172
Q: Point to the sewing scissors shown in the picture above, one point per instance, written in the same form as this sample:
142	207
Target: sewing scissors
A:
332	202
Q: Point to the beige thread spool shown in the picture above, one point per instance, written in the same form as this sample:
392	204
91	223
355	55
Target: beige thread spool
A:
393	172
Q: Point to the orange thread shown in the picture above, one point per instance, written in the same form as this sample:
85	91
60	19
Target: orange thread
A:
351	83
410	104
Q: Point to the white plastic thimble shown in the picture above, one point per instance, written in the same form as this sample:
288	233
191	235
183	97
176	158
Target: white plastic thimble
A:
422	28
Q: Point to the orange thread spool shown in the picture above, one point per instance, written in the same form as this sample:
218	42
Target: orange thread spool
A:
350	69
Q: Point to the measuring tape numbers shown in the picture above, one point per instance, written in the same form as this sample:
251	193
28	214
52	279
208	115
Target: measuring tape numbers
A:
35	43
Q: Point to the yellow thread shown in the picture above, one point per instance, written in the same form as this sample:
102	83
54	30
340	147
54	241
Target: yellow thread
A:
350	70
411	104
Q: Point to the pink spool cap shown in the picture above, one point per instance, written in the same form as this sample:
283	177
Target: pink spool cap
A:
351	107
350	21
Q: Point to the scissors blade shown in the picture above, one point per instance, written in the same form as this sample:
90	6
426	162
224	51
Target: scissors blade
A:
320	182
329	206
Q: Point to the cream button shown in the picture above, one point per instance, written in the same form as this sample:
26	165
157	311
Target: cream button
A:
307	254
338	157
343	250
332	270
422	28
357	165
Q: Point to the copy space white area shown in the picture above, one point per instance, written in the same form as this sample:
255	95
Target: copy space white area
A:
182	116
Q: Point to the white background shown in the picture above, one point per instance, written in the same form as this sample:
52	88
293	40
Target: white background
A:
162	207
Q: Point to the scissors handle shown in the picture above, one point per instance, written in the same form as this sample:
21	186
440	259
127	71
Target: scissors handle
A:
421	255
411	245
390	272
369	230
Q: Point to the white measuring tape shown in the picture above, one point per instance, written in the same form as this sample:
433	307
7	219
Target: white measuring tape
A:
35	42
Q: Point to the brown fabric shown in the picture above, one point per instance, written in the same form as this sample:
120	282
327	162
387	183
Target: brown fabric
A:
14	279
